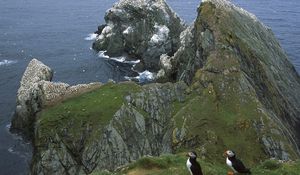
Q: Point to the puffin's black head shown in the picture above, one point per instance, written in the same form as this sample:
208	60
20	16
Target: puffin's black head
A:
192	155
229	153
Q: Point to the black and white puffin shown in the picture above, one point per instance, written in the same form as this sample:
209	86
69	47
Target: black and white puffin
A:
235	164
192	165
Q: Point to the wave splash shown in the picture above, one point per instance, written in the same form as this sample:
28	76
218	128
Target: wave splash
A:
91	37
143	77
7	62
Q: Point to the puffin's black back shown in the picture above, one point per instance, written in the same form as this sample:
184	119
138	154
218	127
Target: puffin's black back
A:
239	166
195	168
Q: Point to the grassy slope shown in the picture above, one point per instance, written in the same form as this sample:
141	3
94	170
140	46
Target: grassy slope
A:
214	121
175	165
92	110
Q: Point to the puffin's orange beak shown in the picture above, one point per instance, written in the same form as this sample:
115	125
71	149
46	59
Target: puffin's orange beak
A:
187	155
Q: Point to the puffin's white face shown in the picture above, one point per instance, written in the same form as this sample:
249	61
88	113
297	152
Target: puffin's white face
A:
229	153
192	155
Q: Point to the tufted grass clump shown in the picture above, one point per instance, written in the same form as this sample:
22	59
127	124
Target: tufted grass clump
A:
271	165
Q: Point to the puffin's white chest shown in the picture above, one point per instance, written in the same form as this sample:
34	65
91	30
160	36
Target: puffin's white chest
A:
229	163
188	165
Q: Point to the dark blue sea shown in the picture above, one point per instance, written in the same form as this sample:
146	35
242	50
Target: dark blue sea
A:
56	32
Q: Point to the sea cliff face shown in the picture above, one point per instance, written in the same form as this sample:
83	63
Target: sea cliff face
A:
227	85
228	42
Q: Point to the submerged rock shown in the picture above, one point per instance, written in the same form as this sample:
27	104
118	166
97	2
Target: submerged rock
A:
143	29
37	91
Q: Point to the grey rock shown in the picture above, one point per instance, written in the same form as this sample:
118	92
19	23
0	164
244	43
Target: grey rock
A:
144	29
260	57
37	91
29	97
226	39
141	127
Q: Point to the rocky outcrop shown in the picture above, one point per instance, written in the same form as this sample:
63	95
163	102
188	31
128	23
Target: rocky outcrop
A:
186	60
37	91
226	41
141	126
28	97
143	29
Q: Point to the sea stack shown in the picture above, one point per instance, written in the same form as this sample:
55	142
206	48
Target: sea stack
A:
29	97
37	92
141	29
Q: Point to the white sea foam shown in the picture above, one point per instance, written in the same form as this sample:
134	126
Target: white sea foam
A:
91	36
122	59
7	62
143	77
8	126
146	76
10	149
102	54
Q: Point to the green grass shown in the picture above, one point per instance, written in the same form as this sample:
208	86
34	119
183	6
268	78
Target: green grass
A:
273	167
164	165
91	110
175	165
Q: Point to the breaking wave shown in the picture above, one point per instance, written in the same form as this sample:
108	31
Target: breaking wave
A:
91	36
7	62
143	77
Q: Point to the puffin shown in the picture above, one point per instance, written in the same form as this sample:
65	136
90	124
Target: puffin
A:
235	164
192	165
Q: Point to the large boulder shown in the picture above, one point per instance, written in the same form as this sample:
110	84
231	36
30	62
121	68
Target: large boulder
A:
37	91
143	29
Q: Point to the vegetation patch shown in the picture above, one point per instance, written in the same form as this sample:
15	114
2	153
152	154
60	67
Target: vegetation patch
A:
175	165
83	116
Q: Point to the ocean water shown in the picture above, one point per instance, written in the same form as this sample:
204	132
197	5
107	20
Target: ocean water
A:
59	34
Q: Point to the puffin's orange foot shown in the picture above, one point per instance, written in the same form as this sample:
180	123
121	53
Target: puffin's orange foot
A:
230	173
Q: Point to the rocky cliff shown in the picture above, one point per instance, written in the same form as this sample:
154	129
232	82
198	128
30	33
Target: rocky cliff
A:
142	29
234	88
227	42
37	91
